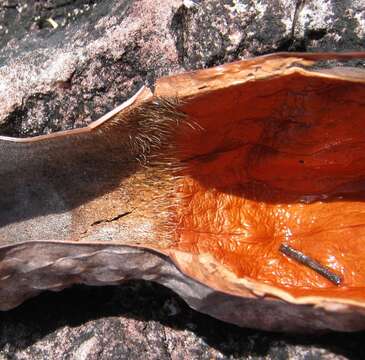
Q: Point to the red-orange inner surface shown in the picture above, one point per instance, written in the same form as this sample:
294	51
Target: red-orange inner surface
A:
279	161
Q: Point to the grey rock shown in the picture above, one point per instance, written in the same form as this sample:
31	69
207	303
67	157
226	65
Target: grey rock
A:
65	63
132	322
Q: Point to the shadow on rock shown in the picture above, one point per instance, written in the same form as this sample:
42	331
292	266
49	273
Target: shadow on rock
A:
147	302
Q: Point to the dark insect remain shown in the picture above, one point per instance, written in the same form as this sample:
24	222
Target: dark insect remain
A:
311	263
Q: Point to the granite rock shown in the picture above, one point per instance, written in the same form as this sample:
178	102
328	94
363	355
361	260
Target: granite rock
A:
65	63
142	320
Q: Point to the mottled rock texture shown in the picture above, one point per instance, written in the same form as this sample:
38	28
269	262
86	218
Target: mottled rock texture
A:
63	64
144	321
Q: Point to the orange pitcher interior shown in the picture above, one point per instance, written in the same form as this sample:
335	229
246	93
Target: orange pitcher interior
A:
279	161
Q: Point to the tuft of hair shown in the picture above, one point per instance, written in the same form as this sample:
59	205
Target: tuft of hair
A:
149	132
149	129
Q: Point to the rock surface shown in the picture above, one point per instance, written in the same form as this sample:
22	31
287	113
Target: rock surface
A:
63	64
141	320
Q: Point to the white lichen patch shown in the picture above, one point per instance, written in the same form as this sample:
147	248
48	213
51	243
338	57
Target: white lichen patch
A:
360	17
261	7
21	7
288	19
190	3
315	14
85	350
243	8
55	69
235	38
238	6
